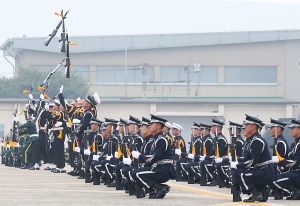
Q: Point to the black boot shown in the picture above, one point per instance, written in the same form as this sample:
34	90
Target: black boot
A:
191	180
256	196
160	191
294	196
131	188
108	181
178	175
265	193
118	183
139	192
213	183
96	179
222	184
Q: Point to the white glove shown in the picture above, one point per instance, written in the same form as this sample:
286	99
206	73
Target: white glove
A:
77	149
233	165
76	121
26	105
191	156
127	161
202	158
275	159
8	146
116	154
58	124
95	157
30	96
47	107
135	154
178	152
87	152
108	157
17	145
61	89
218	160
2	144
42	97
15	119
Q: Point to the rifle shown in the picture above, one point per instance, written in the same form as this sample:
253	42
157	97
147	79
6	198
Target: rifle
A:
54	32
203	175
15	127
63	34
235	193
277	192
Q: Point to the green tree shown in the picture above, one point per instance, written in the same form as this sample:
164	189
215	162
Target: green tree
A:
75	86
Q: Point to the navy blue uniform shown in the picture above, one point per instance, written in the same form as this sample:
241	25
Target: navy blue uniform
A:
289	181
158	165
208	152
193	168
255	169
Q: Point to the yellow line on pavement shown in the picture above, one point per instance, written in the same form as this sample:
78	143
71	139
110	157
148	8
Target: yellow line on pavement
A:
215	195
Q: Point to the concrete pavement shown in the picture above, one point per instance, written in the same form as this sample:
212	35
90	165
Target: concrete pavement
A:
25	187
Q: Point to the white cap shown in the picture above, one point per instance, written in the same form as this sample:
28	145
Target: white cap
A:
177	126
167	124
97	98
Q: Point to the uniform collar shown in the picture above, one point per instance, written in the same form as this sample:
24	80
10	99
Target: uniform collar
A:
297	139
158	134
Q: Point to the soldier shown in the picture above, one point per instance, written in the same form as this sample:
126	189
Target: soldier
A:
208	153
108	165
181	173
289	181
255	170
30	129
193	166
239	141
166	131
221	152
158	165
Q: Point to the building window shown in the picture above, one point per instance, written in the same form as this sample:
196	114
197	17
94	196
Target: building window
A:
83	71
116	74
172	74
1	130
250	74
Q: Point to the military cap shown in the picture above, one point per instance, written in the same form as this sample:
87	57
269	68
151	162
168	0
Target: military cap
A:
177	126
217	123
233	124
145	121
108	121
294	123
195	126
276	123
167	124
205	126
134	120
122	122
57	102
95	121
93	99
30	111
155	119
253	120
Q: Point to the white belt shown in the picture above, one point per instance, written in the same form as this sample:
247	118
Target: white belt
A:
56	128
32	135
42	128
263	163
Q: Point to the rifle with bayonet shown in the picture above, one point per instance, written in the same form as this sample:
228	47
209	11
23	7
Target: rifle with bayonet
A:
277	192
54	32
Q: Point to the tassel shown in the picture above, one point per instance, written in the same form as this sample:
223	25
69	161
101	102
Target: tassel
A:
193	150
94	147
204	151
60	134
278	155
74	145
217	152
119	151
5	144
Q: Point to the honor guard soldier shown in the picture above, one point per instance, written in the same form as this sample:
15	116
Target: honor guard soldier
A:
255	170
207	167
166	131
30	130
221	154
102	154
239	139
109	164
290	181
193	167
158	166
145	150
178	142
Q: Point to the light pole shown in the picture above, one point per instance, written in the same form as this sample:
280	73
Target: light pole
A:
197	68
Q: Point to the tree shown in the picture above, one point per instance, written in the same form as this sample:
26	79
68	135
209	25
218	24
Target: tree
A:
74	87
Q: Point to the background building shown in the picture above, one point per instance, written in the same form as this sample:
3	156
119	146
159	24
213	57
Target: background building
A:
182	77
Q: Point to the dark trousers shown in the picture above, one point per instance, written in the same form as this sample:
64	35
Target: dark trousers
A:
71	154
248	181
193	170
59	149
288	181
40	147
222	171
97	168
208	170
147	178
108	166
180	167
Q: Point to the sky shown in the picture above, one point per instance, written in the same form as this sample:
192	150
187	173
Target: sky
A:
35	18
